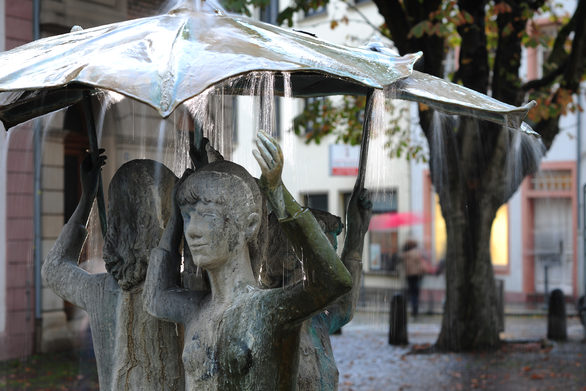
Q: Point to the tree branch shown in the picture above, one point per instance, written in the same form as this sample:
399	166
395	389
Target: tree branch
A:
366	20
545	80
473	70
397	23
575	67
548	128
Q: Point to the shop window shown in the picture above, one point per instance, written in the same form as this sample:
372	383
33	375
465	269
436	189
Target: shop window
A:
384	244
317	201
499	236
270	12
315	11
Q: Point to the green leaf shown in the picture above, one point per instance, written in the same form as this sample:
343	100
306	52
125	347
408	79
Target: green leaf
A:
419	29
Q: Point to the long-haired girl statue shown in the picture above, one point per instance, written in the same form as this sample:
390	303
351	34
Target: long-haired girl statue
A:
134	351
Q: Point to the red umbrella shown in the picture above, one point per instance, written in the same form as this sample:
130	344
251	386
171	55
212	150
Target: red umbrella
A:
384	221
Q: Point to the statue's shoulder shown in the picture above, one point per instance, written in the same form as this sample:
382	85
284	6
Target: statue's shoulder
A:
105	284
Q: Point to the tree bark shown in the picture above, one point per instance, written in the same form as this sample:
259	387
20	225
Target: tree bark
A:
471	186
470	320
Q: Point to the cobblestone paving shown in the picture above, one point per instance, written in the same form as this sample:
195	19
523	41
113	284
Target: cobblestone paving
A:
366	362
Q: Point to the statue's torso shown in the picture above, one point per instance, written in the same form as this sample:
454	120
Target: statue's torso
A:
240	348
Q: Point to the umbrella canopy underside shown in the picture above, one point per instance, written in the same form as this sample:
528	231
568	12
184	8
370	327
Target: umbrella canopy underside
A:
165	60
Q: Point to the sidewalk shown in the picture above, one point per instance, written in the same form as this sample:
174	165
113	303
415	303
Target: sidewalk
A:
366	362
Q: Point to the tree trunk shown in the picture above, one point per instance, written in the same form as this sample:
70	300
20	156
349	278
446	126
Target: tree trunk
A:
470	319
469	180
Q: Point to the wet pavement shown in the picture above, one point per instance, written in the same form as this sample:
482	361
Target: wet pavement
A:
526	362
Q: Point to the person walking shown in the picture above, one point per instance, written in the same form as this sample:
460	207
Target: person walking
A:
414	270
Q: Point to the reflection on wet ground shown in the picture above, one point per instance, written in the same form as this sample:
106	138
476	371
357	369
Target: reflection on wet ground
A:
526	362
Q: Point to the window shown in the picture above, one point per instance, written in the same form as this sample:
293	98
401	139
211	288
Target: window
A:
550	231
552	180
317	201
321	9
384	244
499	236
312	114
542	32
270	12
547	33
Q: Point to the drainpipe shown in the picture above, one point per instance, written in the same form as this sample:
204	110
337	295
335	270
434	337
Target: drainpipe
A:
582	300
578	172
37	140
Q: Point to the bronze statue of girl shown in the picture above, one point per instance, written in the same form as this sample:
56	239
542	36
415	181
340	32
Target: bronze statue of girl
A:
239	336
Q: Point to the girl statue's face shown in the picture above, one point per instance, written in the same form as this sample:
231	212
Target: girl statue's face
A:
220	216
210	233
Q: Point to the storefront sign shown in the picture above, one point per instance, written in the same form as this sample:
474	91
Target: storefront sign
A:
344	160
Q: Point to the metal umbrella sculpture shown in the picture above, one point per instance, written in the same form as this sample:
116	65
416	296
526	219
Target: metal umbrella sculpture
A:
167	59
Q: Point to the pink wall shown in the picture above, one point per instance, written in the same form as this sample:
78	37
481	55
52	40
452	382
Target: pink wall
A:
18	336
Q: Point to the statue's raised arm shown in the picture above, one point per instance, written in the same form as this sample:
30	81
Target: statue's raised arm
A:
325	277
357	219
60	269
163	296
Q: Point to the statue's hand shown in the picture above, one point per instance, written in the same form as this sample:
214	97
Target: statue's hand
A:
204	154
359	212
270	159
172	235
90	174
175	217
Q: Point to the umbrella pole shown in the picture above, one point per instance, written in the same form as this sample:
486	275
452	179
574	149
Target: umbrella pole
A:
94	151
359	184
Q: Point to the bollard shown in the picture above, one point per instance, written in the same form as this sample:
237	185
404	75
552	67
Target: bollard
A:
500	304
582	313
582	310
398	320
556	316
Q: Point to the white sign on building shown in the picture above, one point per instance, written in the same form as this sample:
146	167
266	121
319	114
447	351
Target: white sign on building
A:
344	160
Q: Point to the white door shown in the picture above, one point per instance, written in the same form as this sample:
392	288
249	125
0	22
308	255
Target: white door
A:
553	244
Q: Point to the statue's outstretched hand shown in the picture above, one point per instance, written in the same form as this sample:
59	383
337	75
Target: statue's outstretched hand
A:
90	174
359	213
270	159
